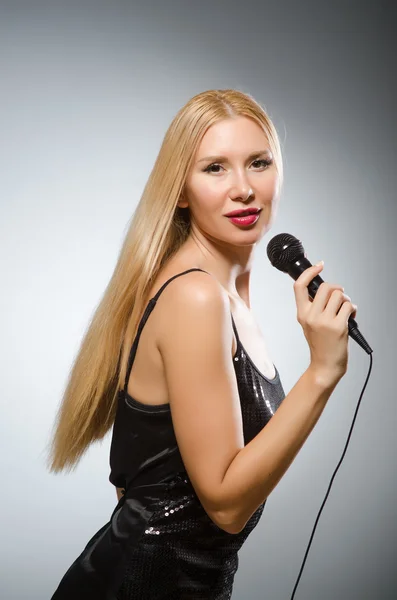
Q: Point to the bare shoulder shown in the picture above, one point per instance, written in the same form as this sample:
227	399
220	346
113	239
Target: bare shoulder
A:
198	283
185	295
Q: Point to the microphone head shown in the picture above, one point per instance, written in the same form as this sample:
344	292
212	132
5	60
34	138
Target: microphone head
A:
283	249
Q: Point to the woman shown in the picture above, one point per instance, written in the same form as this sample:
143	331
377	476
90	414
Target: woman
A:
197	445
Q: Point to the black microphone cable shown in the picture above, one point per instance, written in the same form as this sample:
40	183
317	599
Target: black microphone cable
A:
333	477
287	254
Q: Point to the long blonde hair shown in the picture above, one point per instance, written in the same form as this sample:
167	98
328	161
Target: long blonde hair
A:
157	229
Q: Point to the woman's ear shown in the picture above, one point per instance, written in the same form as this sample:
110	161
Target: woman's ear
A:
182	203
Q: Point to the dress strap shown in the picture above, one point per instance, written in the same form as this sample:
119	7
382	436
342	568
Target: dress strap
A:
235	329
145	316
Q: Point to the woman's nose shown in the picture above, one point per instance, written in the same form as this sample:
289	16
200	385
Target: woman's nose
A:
242	192
241	187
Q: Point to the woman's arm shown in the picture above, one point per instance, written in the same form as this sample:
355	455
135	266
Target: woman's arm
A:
195	341
258	467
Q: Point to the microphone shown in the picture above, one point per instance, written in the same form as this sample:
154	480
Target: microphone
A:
287	254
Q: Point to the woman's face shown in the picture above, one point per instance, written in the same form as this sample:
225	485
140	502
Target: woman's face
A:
233	169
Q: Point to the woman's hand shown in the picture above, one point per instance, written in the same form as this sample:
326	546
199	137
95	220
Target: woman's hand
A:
324	321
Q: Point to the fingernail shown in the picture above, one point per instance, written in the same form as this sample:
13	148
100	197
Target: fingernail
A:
319	264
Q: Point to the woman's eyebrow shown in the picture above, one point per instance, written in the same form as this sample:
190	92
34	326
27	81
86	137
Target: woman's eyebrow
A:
221	158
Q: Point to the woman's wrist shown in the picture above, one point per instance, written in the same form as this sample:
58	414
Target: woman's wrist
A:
325	377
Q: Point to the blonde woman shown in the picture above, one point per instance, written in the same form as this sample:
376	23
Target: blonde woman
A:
174	361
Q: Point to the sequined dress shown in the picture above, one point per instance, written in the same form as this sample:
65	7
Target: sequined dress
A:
159	543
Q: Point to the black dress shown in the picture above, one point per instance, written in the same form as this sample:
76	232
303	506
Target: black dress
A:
159	543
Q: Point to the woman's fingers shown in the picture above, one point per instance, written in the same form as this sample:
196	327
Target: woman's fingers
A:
336	299
347	309
329	296
322	298
302	297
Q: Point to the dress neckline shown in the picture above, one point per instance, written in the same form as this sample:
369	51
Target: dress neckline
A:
239	344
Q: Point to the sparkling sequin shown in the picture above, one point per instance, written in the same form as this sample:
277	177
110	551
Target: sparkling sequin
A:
159	543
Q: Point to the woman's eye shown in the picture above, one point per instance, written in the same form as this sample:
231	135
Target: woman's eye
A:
263	162
208	169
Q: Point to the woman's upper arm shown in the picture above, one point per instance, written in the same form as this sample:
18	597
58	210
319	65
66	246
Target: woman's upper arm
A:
195	343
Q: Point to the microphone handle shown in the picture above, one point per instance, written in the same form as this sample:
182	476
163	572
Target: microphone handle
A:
296	268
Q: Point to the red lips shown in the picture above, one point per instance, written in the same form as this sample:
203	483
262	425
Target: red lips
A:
243	212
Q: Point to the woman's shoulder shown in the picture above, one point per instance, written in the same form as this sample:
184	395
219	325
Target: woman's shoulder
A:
187	280
192	291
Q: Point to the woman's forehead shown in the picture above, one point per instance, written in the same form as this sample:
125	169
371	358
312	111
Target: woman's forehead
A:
240	135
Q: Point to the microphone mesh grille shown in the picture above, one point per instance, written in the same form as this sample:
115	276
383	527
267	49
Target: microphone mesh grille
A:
283	249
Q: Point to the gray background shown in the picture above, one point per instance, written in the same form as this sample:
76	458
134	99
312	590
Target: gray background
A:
88	90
